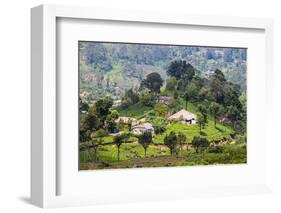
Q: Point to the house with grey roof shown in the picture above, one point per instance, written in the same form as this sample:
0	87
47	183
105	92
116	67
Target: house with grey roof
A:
142	128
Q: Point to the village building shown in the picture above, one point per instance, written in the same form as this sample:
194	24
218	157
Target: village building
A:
184	117
165	99
142	128
127	120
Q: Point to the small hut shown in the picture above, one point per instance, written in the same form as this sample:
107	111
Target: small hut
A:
142	128
183	116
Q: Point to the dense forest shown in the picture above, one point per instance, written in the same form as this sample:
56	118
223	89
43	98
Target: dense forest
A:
123	66
172	114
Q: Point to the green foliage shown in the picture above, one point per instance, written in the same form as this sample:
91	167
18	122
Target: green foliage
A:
145	140
171	84
215	109
181	70
136	110
211	132
215	149
201	121
160	109
191	91
181	140
147	99
83	106
101	108
131	97
153	82
200	142
115	77
171	142
118	140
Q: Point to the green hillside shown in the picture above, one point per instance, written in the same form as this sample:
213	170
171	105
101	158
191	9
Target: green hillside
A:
155	105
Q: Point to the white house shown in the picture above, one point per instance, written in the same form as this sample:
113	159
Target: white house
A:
142	128
127	120
184	117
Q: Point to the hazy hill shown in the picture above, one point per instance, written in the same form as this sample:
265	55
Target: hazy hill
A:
107	69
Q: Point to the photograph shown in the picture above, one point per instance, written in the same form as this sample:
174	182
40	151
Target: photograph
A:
159	105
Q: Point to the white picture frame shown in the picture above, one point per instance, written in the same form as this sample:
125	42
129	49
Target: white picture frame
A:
44	154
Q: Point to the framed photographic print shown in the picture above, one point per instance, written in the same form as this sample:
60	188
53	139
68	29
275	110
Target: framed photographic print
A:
148	106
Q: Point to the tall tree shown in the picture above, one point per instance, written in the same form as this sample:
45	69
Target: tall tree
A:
110	124
191	93
118	140
214	109
201	121
101	108
181	140
217	82
233	115
153	82
203	110
171	84
171	142
145	140
181	70
186	98
96	141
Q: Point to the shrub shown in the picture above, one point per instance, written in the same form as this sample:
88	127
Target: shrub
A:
215	149
147	99
199	142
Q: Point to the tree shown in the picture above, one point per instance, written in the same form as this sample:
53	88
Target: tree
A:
171	84
214	109
110	124
96	141
192	89
159	125
217	82
201	121
147	99
145	140
181	70
181	140
153	82
233	114
101	108
186	97
171	142
88	122
191	93
83	106
205	96
132	95
118	140
160	109
199	142
203	110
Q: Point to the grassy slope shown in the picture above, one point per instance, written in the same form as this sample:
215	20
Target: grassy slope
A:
132	155
190	131
136	111
210	131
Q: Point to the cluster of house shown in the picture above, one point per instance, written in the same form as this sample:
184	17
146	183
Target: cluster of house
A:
138	127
